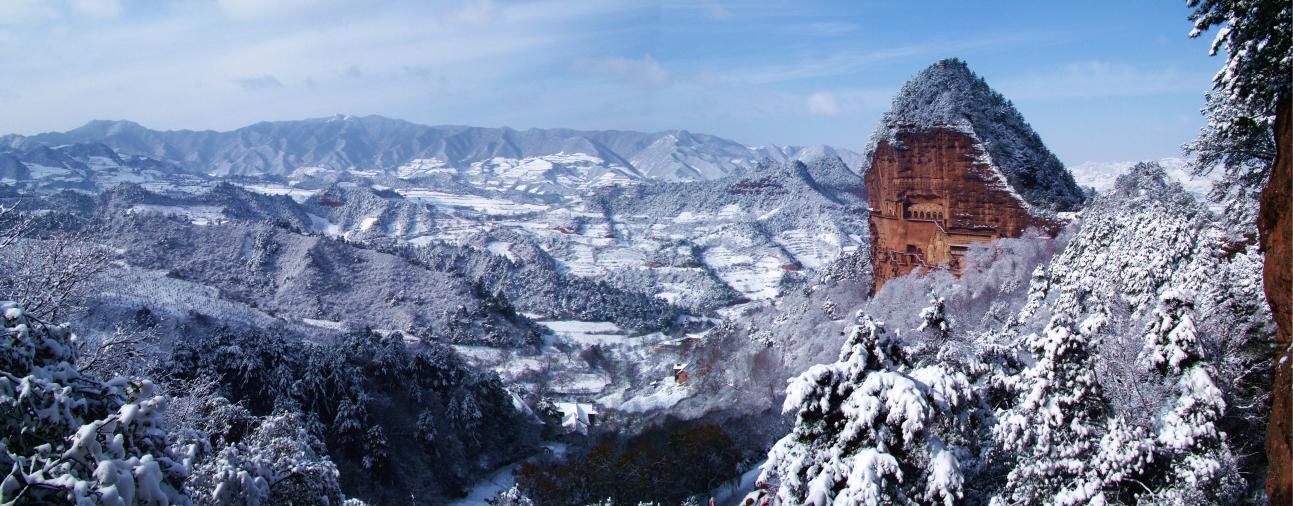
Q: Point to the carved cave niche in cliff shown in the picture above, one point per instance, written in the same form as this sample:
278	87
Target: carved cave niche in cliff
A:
932	211
958	252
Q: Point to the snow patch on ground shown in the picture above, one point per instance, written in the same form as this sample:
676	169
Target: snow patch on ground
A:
587	333
325	324
199	215
813	249
502	479
322	225
483	205
501	248
297	194
664	397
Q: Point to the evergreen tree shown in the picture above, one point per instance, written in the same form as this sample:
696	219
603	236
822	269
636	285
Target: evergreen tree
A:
867	428
1052	431
1258	40
1193	461
1254	80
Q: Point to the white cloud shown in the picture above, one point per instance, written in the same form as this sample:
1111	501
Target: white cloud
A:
823	103
718	11
97	8
849	60
17	12
473	12
254	9
645	72
1094	79
193	65
259	83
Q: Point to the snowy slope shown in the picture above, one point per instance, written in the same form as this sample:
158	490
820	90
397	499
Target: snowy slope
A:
1143	237
1101	175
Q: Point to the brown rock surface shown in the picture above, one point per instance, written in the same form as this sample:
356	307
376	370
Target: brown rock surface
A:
1275	221
933	198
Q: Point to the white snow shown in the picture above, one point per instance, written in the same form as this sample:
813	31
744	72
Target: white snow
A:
501	248
198	215
483	205
501	480
322	225
587	333
423	167
668	394
297	194
1101	175
324	324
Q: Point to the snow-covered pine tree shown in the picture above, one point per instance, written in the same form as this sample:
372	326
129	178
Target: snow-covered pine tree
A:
1257	36
867	428
1053	430
1240	134
931	341
376	449
1144	240
934	318
1183	458
1192	462
1241	140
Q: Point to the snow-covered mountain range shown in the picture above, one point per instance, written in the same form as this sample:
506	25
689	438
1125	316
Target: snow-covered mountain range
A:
376	145
690	218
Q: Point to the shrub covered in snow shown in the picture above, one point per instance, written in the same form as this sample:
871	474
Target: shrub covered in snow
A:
277	462
67	438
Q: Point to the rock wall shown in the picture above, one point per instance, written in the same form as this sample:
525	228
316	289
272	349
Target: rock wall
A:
932	195
1275	221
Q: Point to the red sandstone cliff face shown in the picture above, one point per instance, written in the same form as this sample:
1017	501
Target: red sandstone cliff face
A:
934	198
1275	221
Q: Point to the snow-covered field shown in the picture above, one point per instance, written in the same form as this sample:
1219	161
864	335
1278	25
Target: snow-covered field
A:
664	397
587	332
483	205
297	194
1101	175
199	215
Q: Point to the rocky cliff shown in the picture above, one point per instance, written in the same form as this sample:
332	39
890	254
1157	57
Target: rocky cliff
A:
953	164
933	198
1275	220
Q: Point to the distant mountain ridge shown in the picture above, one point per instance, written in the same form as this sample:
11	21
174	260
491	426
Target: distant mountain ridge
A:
382	145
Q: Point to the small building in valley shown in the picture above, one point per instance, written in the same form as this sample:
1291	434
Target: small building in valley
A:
577	417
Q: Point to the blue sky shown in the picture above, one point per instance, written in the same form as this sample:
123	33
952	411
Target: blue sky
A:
1099	80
